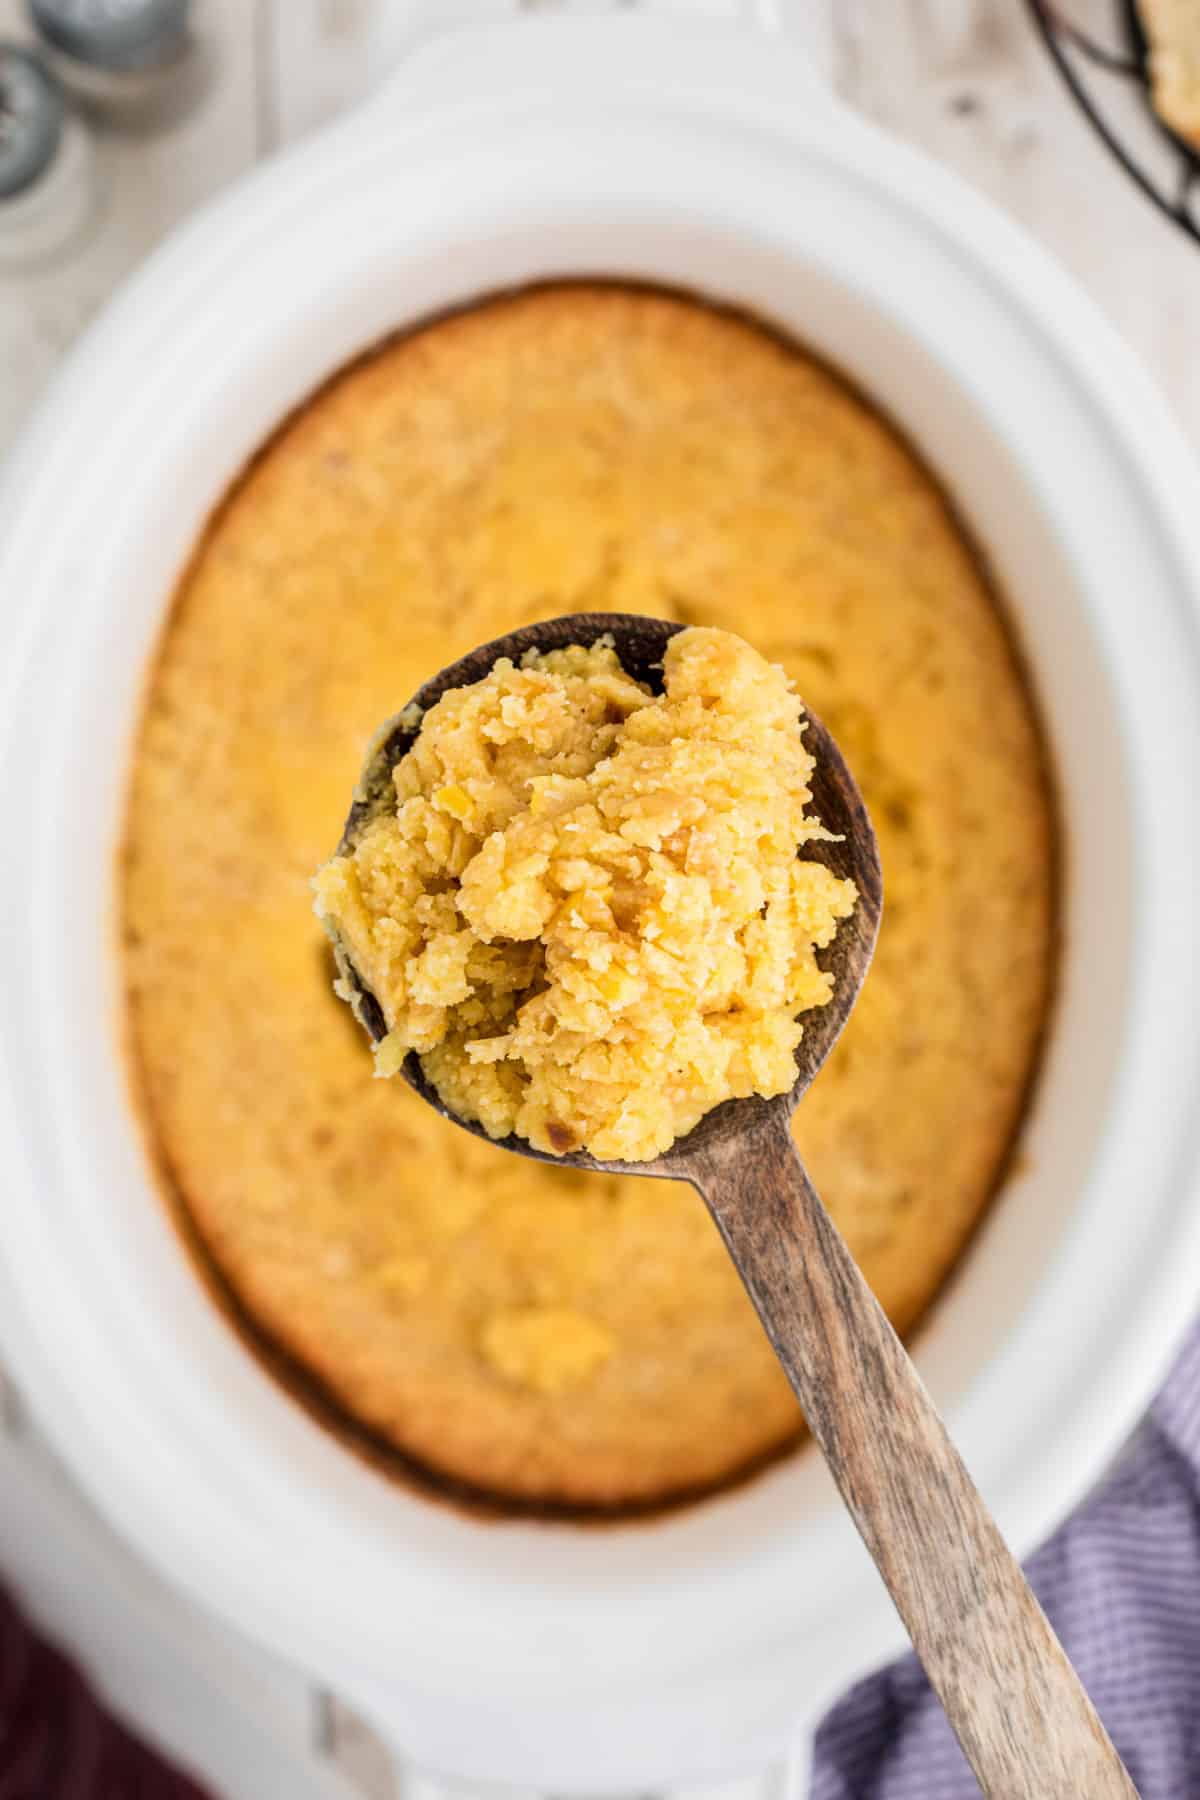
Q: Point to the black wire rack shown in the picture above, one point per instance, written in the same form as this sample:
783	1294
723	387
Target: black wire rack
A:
1101	74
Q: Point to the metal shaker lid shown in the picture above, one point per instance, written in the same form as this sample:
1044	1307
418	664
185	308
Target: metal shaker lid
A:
119	35
31	120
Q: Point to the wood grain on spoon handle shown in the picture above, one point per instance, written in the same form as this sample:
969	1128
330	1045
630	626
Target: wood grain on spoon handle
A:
1016	1705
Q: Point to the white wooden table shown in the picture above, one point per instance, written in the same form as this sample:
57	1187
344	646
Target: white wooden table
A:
965	79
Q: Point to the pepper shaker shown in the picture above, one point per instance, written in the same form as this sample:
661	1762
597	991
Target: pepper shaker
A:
142	64
46	187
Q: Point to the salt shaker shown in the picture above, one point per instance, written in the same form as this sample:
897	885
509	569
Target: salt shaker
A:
138	63
46	188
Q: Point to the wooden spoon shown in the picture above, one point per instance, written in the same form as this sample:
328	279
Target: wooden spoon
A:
1014	1701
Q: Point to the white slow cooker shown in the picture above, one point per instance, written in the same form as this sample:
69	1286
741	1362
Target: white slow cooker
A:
681	1649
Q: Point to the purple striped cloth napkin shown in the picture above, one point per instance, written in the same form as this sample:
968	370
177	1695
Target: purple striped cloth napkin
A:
1121	1582
56	1740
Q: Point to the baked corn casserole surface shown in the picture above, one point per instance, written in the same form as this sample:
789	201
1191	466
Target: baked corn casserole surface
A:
537	1333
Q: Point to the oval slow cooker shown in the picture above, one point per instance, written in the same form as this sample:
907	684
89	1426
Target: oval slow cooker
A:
710	160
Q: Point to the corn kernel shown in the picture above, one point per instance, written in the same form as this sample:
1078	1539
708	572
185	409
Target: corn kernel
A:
453	800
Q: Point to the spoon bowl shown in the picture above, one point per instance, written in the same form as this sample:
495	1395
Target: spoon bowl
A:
852	851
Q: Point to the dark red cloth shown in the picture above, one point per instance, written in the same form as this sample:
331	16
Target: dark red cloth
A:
57	1742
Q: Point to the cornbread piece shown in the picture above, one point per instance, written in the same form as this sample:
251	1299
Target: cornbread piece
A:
588	912
1173	34
563	450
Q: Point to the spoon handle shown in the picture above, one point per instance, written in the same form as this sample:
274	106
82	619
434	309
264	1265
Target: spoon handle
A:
1015	1703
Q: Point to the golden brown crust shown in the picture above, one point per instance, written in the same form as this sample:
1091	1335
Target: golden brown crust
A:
566	449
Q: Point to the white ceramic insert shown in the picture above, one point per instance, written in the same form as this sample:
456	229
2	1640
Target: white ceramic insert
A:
696	1645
